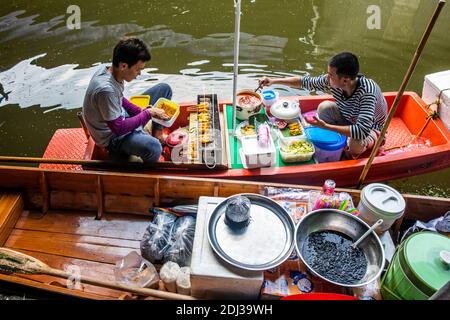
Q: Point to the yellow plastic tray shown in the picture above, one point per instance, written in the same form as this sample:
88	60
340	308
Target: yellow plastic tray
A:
141	101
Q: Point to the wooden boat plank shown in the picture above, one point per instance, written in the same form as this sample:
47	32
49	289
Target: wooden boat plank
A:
63	238
11	207
23	178
71	238
136	187
113	225
57	181
86	268
84	251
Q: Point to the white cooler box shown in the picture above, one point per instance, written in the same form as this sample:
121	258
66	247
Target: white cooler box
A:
432	85
211	277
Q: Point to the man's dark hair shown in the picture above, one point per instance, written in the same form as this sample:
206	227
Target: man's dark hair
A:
346	64
130	51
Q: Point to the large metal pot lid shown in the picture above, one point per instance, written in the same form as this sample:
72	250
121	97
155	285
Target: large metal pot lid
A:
285	110
265	243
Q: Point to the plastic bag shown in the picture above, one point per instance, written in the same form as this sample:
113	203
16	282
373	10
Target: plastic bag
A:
181	241
441	225
157	237
286	194
135	271
183	281
169	273
294	201
341	201
237	212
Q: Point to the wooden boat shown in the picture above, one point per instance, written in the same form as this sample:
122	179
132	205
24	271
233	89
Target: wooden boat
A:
410	119
91	219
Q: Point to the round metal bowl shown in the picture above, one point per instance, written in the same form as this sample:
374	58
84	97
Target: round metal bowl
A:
352	226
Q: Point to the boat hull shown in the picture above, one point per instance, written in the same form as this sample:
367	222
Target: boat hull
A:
409	119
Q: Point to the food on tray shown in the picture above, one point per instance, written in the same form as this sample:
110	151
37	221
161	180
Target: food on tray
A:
168	108
295	129
203	117
299	147
203	107
281	124
248	130
202	128
193	134
298	151
205	138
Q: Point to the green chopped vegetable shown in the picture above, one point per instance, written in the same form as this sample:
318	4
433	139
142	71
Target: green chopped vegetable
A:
298	147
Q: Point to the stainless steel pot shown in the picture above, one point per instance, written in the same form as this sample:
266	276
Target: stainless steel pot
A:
352	226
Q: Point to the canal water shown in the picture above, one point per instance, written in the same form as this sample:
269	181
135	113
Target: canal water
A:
46	65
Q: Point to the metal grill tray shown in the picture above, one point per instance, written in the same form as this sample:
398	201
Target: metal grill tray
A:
267	241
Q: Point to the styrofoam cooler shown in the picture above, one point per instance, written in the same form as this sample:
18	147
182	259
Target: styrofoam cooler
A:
433	84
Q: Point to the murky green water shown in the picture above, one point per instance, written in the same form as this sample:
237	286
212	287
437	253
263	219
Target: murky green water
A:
192	49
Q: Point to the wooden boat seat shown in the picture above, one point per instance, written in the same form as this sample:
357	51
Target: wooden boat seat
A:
11	206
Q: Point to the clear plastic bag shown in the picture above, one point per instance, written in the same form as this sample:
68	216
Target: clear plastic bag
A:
237	212
286	194
181	241
342	201
135	271
157	237
293	200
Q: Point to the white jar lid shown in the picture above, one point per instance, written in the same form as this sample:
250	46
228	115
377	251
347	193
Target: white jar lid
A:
383	200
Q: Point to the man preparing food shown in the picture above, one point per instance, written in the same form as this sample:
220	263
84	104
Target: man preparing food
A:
114	122
359	110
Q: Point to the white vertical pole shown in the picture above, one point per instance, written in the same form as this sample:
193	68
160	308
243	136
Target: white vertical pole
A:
237	27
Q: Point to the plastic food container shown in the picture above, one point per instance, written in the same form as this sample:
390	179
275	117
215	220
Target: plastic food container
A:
288	139
253	155
286	110
329	145
416	271
379	201
269	98
295	157
171	104
141	101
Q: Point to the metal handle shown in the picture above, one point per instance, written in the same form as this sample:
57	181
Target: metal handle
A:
376	224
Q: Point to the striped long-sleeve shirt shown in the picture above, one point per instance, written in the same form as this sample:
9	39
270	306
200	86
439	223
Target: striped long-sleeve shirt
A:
365	109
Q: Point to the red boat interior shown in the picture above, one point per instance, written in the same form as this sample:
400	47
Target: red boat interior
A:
409	121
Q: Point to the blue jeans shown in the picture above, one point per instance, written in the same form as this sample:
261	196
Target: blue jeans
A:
138	142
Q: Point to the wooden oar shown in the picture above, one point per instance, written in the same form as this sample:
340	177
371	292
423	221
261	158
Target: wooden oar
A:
408	75
15	262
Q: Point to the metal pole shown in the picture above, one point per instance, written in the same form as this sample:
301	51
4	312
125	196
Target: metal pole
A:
237	27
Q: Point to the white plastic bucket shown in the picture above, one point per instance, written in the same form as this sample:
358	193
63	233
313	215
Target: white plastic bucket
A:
379	201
